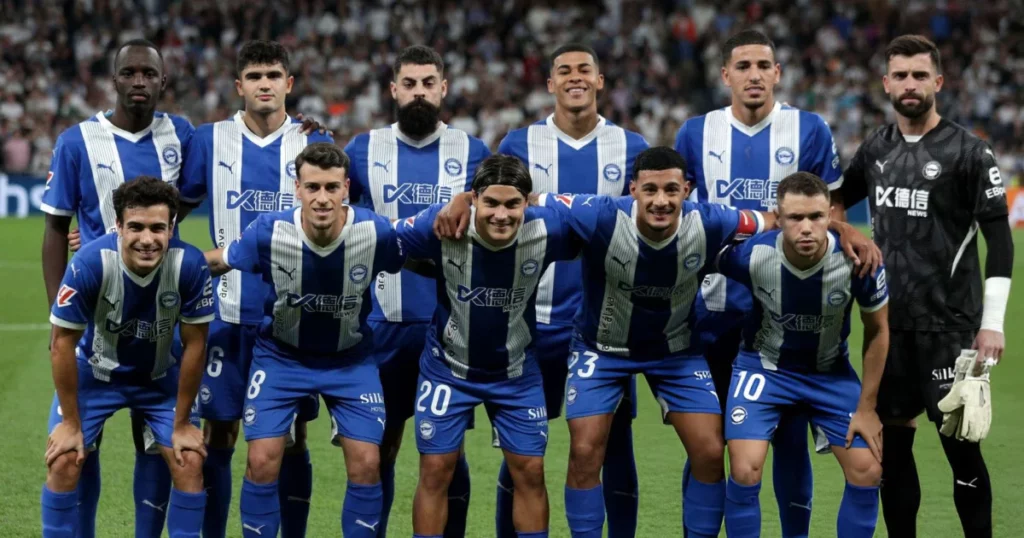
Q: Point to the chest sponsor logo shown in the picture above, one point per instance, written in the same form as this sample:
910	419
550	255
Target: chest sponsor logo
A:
913	201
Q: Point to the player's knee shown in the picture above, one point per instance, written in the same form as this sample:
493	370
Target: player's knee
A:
188	475
585	456
708	457
527	473
64	470
436	472
363	465
263	465
745	472
864	471
221	434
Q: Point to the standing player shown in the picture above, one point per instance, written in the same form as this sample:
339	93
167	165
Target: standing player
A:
480	347
931	185
314	339
795	354
120	302
398	171
90	160
737	156
576	151
247	165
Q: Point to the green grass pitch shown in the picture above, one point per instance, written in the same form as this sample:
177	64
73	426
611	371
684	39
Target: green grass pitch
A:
26	390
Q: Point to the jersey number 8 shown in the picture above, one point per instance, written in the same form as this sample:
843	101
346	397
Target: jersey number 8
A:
439	404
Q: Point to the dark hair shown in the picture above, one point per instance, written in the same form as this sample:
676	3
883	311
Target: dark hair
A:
746	37
658	158
804	183
912	45
570	47
503	170
144	43
261	52
145	191
418	55
323	155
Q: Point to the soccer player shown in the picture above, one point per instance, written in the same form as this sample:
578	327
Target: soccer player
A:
737	156
90	160
795	354
480	347
246	164
931	185
318	261
576	151
398	171
116	309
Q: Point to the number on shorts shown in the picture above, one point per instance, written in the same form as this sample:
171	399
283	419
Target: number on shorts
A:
753	388
588	365
216	364
439	404
258	377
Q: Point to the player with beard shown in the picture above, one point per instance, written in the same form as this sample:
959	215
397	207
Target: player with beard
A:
931	185
90	160
398	171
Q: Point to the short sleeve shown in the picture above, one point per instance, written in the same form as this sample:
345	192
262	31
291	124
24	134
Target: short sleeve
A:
61	194
416	234
821	158
197	294
76	299
683	148
193	182
872	292
582	212
724	225
393	252
985	184
243	253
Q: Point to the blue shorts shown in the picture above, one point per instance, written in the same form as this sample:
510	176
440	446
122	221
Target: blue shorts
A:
397	353
758	397
597	382
278	385
445	405
229	352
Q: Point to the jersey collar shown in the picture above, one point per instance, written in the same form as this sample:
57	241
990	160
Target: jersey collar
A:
426	141
483	242
752	130
257	139
656	245
101	117
141	281
323	252
805	273
572	142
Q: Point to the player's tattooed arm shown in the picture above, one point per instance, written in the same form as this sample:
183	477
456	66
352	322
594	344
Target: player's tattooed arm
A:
865	419
55	254
193	361
67	436
215	259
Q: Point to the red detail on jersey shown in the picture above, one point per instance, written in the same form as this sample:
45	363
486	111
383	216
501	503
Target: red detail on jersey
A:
49	176
64	295
410	220
747	224
565	199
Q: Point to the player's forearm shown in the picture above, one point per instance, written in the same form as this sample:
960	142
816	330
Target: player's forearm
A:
876	347
768	218
215	259
998	270
65	373
191	372
55	254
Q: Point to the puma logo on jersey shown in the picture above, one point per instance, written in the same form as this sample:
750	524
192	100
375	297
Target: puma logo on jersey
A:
621	263
383	424
291	274
457	265
881	166
382	165
547	171
717	155
74	271
111	304
101	166
766	292
229	167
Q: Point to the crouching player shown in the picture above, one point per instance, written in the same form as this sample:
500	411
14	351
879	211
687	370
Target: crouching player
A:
795	354
319	261
479	347
119	302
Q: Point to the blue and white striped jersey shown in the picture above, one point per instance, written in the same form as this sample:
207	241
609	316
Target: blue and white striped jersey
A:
638	294
93	158
245	175
398	177
801	318
318	298
485	321
129	319
599	163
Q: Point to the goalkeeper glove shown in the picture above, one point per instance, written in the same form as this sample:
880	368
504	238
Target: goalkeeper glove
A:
968	406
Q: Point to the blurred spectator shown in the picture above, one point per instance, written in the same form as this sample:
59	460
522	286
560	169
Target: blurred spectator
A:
661	60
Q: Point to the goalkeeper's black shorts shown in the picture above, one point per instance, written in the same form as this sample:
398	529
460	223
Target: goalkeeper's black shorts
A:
919	372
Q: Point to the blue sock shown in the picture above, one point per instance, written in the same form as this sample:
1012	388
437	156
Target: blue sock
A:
360	514
261	509
538	534
704	506
458	500
387	482
185	514
295	487
503	525
742	509
792	477
584	509
60	513
858	513
89	495
217	480
152	488
686	481
621	491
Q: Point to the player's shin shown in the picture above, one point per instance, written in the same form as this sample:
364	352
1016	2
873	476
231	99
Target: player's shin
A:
458	499
742	501
584	495
360	514
151	487
295	487
704	503
858	512
901	489
972	489
430	505
792	476
530	502
584	510
621	485
59	513
217	480
260	508
504	527
89	495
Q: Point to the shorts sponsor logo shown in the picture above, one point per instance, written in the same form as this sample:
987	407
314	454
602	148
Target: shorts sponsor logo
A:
570	395
427	429
738	415
371	398
249	415
205	394
537	413
702	374
943	374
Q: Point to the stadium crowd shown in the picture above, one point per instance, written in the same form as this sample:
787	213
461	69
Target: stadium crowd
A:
660	60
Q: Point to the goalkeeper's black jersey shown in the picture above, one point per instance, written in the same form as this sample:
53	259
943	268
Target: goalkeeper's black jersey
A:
926	200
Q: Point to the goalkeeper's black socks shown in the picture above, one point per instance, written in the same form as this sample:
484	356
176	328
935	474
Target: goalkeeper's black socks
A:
901	490
972	490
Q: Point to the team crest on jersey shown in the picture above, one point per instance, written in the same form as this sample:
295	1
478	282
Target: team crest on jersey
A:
529	267
612	172
566	199
64	295
358	273
171	155
692	262
931	169
249	415
738	415
205	394
784	156
169	299
290	169
453	166
427	429
837	297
